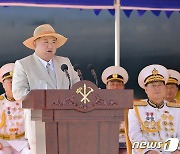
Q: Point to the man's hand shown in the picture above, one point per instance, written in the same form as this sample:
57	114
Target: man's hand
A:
151	152
1	146
176	152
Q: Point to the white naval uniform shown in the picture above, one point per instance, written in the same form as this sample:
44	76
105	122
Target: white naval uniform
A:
170	127
12	128
122	137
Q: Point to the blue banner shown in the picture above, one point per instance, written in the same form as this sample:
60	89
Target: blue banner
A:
64	2
163	4
168	5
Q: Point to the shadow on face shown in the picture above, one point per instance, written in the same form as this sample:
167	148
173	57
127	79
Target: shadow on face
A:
115	84
155	90
45	47
171	91
7	85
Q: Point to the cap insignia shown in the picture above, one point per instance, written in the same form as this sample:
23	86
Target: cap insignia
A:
114	75
154	72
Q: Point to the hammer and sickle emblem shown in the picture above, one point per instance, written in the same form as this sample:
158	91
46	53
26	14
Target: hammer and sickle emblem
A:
85	94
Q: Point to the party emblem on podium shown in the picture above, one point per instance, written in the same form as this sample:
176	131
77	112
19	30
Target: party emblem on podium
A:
84	92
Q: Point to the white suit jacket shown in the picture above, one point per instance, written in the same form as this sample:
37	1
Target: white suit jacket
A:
29	74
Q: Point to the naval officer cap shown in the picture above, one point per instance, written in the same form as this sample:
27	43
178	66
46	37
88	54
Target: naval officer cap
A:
115	73
174	77
6	71
152	73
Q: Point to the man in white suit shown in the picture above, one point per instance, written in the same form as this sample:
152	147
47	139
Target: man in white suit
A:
41	70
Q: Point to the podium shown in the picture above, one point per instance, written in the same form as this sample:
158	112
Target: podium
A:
83	120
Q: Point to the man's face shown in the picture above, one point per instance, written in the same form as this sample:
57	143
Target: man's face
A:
7	85
155	90
45	47
115	84
171	91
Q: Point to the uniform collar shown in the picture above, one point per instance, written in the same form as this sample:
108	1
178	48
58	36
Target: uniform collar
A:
9	99
155	105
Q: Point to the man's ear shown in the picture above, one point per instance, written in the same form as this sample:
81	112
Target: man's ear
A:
3	84
145	89
34	43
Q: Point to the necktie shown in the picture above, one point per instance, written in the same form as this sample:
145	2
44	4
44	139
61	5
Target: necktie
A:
51	73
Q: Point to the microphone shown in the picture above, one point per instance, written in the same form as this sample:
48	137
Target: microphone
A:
91	68
77	69
64	68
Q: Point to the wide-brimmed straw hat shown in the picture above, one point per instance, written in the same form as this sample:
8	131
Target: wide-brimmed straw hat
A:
6	71
44	30
114	73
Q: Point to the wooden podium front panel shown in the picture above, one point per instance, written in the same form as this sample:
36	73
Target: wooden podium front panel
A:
88	137
109	140
51	137
78	138
82	120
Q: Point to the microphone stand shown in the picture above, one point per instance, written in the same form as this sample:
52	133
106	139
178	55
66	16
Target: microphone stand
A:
95	76
67	74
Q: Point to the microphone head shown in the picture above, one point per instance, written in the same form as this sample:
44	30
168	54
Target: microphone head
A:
76	67
64	67
90	67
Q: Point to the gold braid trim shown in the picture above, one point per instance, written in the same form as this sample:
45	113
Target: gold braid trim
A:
141	103
119	79
128	142
177	101
3	116
172	80
169	104
12	137
144	128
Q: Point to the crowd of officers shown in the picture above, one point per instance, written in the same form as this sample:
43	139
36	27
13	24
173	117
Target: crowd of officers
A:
154	119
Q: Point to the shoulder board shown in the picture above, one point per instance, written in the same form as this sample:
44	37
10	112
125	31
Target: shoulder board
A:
1	97
178	101
141	103
173	105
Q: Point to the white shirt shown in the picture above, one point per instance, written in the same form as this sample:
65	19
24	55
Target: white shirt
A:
44	63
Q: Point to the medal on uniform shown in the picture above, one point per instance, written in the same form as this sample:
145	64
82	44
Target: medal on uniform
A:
153	123
152	118
168	123
164	117
147	115
171	130
170	117
171	123
164	123
9	117
146	123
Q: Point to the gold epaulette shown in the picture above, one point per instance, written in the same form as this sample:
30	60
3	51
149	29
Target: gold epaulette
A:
173	105
1	97
141	103
178	101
